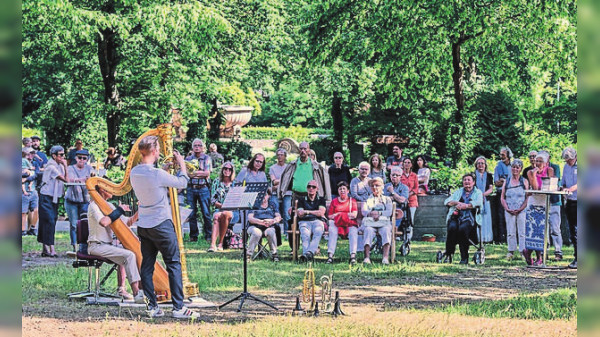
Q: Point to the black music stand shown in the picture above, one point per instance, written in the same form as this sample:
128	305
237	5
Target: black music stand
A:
243	197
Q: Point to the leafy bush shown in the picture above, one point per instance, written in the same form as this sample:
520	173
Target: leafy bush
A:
234	151
297	133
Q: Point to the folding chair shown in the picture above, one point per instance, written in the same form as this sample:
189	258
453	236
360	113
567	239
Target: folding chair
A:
263	249
90	262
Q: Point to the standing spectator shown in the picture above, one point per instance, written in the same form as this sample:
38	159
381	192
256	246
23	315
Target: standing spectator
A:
377	214
342	222
338	172
555	217
395	159
114	158
312	155
484	181
536	210
39	160
27	142
29	197
399	194
198	191
216	157
311	213
423	173
359	186
254	172
72	154
275	172
531	156
377	167
501	173
296	176
569	183
55	175
411	180
514	201
77	197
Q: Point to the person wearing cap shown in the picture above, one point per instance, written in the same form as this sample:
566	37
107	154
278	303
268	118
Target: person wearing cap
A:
72	154
114	158
29	196
55	175
198	191
39	160
76	196
377	214
311	223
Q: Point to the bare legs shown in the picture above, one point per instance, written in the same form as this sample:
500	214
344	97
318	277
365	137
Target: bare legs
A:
221	222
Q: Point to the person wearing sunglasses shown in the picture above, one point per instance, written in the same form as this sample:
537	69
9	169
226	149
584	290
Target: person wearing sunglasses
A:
311	214
222	219
338	172
52	189
76	196
254	172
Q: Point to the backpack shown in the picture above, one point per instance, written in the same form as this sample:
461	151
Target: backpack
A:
232	240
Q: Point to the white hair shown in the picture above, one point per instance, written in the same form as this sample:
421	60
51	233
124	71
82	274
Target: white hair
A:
569	153
508	151
544	155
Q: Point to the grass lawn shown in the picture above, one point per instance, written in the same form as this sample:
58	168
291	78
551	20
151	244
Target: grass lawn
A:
501	297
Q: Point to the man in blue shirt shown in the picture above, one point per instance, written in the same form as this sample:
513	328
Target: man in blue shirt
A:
39	160
198	191
501	173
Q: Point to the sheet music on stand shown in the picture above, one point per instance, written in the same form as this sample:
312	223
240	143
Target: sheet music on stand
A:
246	196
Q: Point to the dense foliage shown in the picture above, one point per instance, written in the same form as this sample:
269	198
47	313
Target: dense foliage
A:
457	79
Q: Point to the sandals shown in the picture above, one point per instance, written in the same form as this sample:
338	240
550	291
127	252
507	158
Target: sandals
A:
211	249
353	260
276	258
329	260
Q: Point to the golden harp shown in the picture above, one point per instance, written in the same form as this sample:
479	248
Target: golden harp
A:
125	234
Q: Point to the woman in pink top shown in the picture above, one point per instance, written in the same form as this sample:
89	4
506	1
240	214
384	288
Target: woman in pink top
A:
410	179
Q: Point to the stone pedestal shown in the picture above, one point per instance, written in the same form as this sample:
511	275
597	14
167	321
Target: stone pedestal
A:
430	217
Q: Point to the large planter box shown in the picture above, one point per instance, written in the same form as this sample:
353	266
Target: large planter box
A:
430	217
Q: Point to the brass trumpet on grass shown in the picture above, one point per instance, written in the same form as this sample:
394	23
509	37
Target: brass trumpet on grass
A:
308	287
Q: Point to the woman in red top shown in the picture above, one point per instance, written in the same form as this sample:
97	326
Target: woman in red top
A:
410	179
342	221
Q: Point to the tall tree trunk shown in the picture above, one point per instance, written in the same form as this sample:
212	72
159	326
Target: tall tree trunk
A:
338	120
216	119
457	76
108	60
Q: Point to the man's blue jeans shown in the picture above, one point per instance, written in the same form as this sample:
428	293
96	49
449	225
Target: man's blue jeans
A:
287	204
74	210
163	239
200	196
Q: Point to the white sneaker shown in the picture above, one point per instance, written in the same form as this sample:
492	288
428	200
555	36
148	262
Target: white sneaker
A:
184	312
155	312
367	260
385	261
139	298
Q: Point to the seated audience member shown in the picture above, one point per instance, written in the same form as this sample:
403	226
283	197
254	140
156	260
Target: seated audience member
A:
377	167
342	221
100	243
221	218
377	212
396	190
359	186
462	218
311	215
264	221
338	171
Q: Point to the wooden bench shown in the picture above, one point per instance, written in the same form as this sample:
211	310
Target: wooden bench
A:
296	231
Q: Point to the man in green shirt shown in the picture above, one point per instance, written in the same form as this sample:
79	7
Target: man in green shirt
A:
296	176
